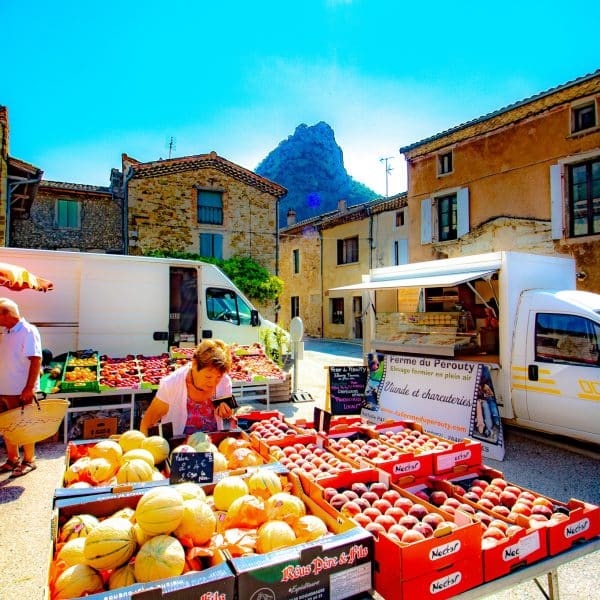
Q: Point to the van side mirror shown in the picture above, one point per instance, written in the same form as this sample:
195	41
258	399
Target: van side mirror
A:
254	318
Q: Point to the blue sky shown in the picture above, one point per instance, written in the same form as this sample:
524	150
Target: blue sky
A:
86	81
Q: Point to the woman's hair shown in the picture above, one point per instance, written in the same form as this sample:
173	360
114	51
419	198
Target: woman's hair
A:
10	307
212	353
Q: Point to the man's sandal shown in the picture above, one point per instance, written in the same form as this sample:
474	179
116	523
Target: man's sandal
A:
10	465
24	468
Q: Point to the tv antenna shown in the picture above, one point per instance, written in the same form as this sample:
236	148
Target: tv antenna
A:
388	170
172	146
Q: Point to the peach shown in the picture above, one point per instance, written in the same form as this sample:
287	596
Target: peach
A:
386	520
375	528
410	536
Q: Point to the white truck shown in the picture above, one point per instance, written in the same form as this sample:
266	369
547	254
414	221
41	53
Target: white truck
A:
123	305
519	313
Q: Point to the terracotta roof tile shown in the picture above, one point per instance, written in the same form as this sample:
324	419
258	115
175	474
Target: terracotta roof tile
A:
206	161
23	166
74	187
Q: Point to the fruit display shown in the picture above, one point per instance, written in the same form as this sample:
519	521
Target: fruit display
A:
119	373
168	531
75	361
415	441
250	363
153	368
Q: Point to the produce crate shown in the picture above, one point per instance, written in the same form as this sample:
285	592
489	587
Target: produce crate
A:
582	520
503	555
215	580
449	562
335	566
119	373
90	366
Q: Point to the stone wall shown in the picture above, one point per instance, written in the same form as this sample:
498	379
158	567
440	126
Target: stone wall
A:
163	214
100	220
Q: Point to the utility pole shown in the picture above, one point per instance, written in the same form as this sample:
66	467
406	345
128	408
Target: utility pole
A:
388	170
171	146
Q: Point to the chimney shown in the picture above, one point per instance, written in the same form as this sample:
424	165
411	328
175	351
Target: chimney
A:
291	216
342	205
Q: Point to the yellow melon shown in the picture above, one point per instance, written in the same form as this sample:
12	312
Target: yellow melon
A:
140	454
110	544
189	490
134	470
108	449
101	469
129	440
72	552
220	463
77	470
158	447
77	526
77	581
264	483
122	577
160	557
159	510
124	513
141	537
227	490
197	525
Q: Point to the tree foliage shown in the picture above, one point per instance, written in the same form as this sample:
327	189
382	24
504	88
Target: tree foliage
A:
248	275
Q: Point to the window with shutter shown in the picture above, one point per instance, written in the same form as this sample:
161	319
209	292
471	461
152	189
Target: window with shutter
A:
426	221
67	214
210	207
211	245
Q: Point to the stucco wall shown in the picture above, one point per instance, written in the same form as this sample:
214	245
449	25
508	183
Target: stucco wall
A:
163	211
3	172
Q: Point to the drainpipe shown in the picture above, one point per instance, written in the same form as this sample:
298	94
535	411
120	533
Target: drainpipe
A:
321	279
370	215
125	211
277	236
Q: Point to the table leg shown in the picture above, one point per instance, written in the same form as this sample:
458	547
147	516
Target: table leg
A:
553	590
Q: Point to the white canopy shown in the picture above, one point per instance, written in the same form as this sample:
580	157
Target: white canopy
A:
421	281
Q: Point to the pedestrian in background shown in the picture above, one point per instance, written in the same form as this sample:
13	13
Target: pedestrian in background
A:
20	363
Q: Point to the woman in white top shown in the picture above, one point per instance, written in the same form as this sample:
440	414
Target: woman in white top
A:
185	397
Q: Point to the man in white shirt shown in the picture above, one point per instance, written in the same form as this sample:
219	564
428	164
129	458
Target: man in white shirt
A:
20	362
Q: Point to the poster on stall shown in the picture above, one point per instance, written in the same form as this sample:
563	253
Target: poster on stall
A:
451	398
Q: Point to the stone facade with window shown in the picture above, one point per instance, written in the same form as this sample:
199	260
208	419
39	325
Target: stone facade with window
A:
336	249
70	216
525	177
201	204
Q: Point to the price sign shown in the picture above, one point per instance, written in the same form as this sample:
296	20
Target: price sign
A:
347	389
192	466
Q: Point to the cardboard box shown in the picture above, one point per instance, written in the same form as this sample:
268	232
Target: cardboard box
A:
216	581
99	428
337	566
395	562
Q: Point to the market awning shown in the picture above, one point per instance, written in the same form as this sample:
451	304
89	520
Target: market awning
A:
17	278
422	281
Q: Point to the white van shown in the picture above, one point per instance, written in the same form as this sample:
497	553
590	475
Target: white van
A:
123	305
519	313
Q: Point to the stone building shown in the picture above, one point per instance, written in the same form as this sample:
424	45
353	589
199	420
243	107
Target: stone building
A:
525	177
336	249
201	204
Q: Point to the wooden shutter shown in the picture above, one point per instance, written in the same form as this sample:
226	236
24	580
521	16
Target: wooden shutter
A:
556	204
426	221
462	212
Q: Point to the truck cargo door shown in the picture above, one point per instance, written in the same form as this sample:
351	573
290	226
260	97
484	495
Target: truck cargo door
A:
183	305
563	372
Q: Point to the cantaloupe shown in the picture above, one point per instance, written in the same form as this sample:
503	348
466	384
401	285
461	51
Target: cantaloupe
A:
77	581
101	469
72	552
139	453
159	510
122	577
243	457
108	449
197	524
199	441
220	462
129	440
157	446
77	470
141	536
77	526
227	490
264	483
110	544
189	490
133	471
124	513
160	557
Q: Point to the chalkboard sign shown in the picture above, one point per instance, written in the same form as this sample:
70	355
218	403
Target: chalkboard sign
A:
192	466
347	389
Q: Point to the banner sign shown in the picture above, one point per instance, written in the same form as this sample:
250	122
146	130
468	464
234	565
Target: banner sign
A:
451	398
